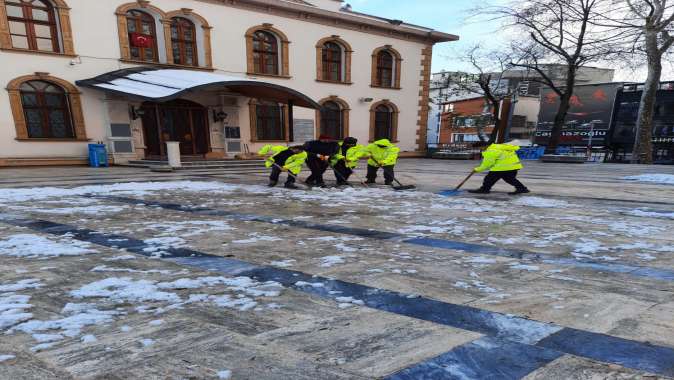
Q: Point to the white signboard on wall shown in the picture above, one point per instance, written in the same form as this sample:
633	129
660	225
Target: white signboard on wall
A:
303	130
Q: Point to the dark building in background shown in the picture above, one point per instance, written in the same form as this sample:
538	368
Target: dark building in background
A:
622	131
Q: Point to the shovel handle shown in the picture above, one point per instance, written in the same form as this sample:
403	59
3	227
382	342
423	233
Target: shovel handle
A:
281	168
465	180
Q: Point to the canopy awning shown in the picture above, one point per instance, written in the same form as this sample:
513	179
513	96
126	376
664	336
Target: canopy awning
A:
160	85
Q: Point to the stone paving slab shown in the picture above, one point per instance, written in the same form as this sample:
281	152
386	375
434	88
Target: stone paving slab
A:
147	326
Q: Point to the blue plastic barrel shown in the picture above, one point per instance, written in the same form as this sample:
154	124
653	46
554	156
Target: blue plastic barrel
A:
98	155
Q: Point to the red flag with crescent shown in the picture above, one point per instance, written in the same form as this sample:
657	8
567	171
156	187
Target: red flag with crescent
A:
141	40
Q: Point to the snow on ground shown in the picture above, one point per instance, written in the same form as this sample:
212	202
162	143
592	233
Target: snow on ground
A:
540	202
14	309
31	283
651	214
664	179
256	238
132	189
224	374
36	246
188	228
4	358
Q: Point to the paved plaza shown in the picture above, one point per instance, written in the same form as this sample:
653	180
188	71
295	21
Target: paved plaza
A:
123	273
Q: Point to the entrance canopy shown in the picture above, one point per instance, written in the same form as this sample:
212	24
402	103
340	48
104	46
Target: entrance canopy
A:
160	85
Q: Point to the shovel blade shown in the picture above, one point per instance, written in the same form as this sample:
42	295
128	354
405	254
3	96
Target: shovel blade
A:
403	188
450	193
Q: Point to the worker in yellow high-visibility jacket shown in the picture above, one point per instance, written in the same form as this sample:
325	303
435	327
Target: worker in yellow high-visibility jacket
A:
502	162
281	158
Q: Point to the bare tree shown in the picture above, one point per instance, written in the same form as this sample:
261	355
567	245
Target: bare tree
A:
561	32
487	80
654	19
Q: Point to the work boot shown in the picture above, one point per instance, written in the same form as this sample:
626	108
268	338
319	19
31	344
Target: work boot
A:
291	186
370	182
388	183
520	191
322	185
479	191
272	183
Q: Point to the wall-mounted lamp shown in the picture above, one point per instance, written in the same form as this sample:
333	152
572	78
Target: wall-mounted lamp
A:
366	100
219	116
136	113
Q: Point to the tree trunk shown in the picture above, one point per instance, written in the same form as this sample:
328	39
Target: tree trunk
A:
562	111
643	145
497	121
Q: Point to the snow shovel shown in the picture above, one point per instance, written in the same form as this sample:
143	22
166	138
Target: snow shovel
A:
289	173
456	191
400	186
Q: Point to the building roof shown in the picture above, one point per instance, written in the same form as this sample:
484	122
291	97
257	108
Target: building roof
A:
350	19
160	85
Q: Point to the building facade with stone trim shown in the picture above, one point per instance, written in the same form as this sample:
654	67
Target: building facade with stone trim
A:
370	76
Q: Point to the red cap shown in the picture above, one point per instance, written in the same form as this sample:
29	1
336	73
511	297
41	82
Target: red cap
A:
325	137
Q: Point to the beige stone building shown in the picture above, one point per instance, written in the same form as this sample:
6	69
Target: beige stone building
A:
221	77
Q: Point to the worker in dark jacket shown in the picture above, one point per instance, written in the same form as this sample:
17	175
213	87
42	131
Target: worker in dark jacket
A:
281	158
319	153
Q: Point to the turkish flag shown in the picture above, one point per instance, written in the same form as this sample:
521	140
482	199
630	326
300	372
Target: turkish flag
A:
141	40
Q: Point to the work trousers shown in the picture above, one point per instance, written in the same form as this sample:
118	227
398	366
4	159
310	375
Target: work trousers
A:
342	172
509	177
388	173
276	172
318	168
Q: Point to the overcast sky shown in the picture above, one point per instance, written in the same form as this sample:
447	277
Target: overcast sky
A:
454	16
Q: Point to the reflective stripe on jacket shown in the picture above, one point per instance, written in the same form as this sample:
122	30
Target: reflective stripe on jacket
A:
271	149
383	153
500	158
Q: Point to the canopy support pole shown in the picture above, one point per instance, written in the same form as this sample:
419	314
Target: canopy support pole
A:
291	122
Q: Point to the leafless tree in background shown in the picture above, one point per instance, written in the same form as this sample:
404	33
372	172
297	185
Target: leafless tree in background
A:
650	21
560	32
487	81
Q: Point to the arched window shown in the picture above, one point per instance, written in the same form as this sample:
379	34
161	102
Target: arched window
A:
32	25
46	110
332	62
142	31
183	42
269	122
265	53
385	69
332	121
383	123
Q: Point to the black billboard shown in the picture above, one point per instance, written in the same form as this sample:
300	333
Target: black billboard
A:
588	118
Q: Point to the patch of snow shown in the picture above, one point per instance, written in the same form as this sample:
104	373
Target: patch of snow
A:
283	264
328	261
124	289
36	246
481	260
528	268
13	309
88	339
31	283
137	189
256	238
539	202
147	342
224	374
121	258
312	284
47	338
156	322
663	179
651	214
4	358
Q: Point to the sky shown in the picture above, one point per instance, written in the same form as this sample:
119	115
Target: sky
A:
456	17
449	16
